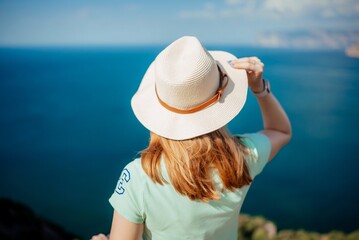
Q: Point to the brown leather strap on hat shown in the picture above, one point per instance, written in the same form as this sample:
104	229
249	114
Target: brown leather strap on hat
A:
215	98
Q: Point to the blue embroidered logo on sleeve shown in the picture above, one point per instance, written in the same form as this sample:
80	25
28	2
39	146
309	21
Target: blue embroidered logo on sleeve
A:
125	177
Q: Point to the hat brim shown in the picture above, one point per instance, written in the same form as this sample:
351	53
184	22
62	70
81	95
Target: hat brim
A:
165	123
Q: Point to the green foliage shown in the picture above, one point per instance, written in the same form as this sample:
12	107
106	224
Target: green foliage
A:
297	235
336	235
259	228
260	234
256	228
354	235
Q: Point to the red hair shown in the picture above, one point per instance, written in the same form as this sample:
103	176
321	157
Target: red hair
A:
190	163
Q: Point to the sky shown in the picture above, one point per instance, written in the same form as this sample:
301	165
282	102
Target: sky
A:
267	23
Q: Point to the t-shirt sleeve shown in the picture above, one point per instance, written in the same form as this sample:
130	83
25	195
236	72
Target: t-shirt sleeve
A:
259	147
127	199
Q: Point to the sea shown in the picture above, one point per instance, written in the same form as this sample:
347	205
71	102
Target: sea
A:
67	130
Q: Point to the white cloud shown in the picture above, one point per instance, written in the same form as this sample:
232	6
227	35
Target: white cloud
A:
212	11
331	23
290	7
273	8
323	8
272	40
309	39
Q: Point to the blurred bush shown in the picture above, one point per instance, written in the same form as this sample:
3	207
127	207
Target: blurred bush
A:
259	228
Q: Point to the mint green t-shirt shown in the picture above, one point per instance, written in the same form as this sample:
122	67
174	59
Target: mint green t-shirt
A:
170	215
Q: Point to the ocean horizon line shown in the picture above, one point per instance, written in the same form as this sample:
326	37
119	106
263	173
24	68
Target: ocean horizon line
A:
162	45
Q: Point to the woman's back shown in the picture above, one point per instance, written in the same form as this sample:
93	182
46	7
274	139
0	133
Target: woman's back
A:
169	215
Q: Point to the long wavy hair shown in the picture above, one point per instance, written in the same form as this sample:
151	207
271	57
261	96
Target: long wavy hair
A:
190	163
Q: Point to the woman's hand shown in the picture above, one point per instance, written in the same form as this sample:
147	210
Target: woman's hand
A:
254	68
99	237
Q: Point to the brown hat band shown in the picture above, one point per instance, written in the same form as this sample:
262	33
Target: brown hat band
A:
215	98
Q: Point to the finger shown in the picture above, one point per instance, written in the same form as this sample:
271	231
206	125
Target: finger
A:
99	237
250	60
243	59
242	65
259	64
247	66
251	65
103	237
253	59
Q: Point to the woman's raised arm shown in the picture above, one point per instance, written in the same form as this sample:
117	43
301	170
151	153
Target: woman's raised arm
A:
275	120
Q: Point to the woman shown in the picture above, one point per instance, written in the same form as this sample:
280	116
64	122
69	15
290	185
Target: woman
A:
191	181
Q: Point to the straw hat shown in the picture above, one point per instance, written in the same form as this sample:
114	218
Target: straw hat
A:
188	91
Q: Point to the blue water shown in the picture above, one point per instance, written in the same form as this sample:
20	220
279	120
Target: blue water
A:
67	129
